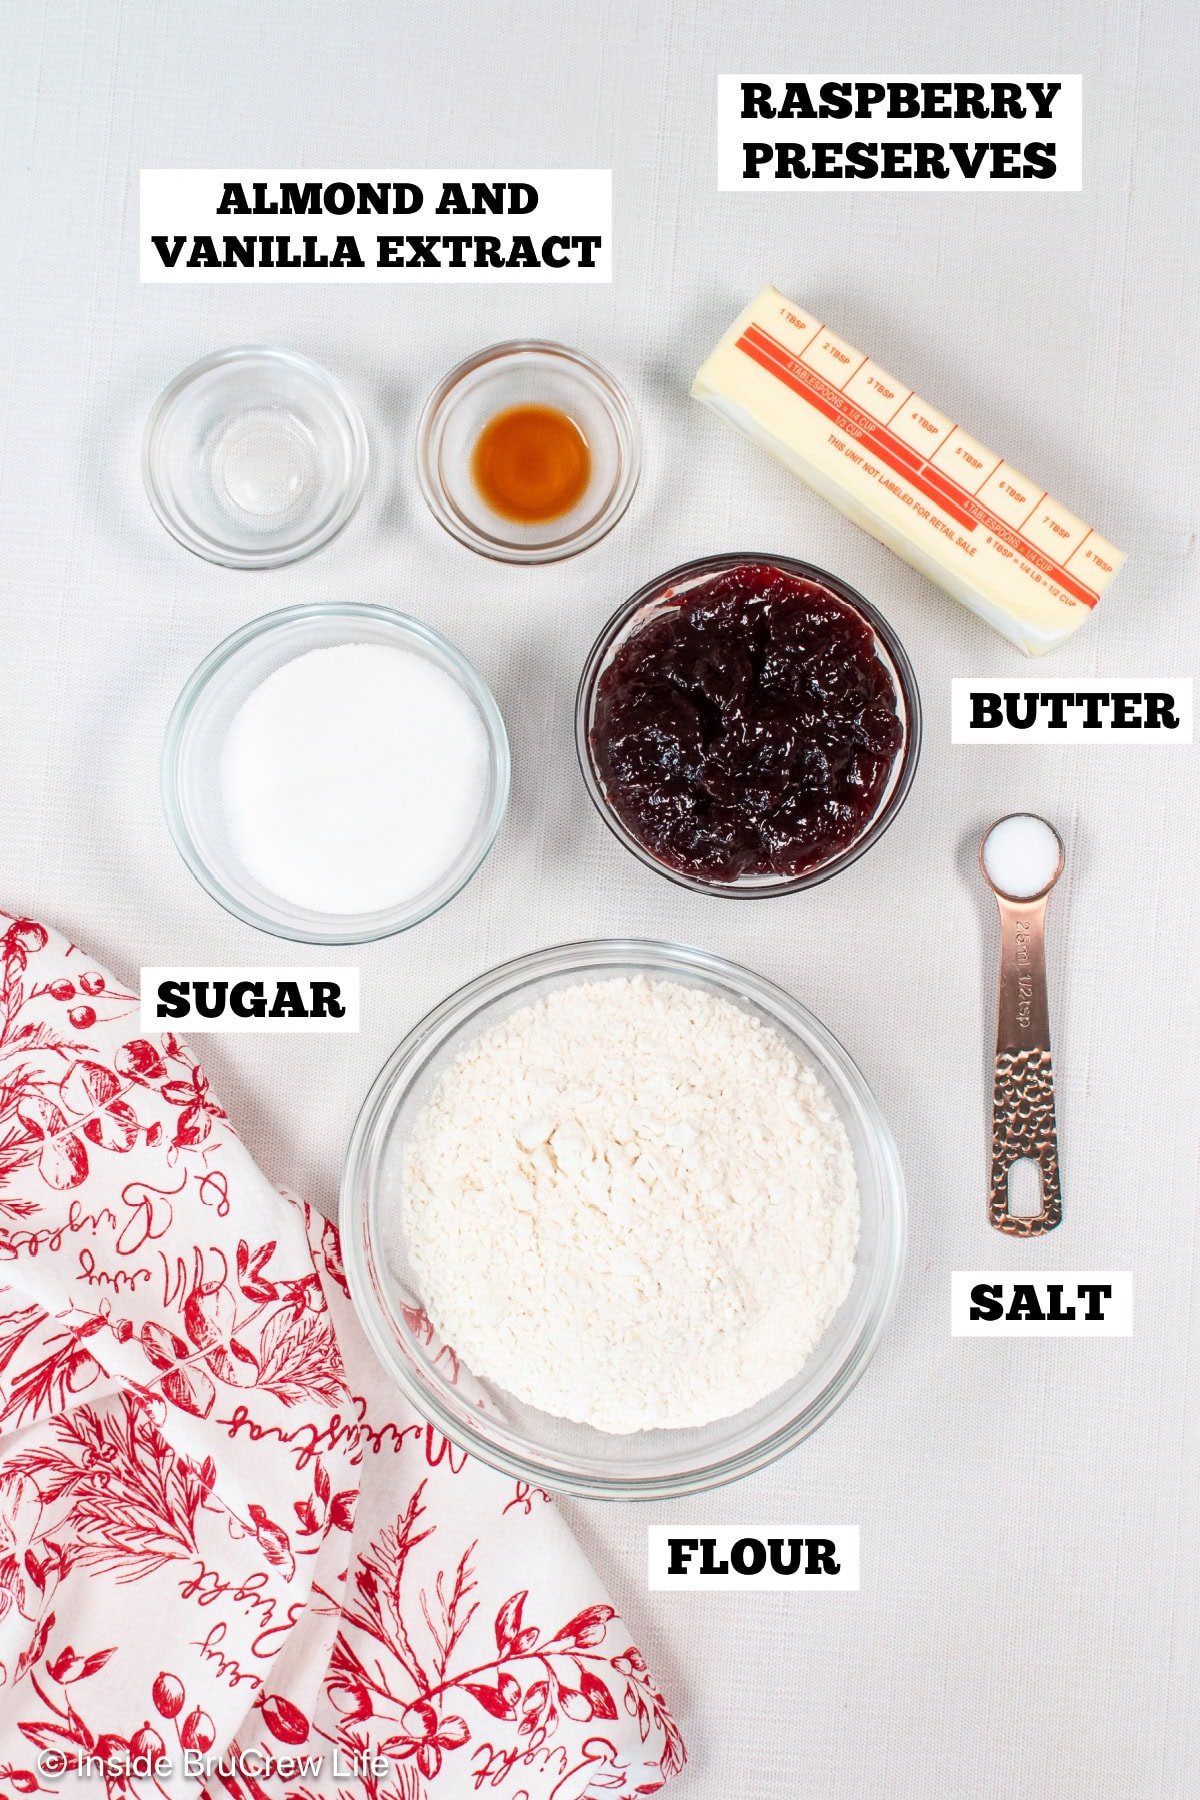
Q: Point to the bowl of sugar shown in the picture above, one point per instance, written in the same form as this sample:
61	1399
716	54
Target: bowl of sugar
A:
334	773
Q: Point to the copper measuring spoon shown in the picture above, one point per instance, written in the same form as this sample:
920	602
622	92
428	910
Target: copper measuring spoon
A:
1021	869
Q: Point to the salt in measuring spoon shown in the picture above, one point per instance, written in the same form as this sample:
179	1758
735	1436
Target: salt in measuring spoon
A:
1022	857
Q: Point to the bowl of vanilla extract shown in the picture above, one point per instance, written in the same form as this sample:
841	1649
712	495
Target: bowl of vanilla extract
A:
528	452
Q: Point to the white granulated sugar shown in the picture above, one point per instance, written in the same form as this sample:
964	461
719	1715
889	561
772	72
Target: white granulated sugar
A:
631	1204
353	776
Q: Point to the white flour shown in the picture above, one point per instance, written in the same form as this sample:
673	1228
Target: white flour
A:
630	1204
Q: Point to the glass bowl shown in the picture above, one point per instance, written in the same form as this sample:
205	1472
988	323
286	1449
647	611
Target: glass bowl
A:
657	597
254	457
191	764
527	373
519	1439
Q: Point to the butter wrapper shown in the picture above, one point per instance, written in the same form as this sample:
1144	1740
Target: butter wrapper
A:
897	466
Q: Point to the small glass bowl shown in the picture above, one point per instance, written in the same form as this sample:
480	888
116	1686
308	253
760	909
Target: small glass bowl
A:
485	1419
254	457
527	374
191	765
664	592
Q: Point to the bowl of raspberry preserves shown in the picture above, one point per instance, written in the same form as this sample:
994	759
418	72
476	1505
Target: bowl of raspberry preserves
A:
748	725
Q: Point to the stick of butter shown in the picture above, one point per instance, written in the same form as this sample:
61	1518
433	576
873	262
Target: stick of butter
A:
909	475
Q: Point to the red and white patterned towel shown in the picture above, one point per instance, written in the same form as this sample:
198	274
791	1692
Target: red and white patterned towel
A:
223	1533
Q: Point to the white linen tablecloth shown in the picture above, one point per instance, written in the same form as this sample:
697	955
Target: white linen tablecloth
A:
1029	1605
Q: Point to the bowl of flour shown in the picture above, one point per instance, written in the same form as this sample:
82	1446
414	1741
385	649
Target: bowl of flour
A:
623	1219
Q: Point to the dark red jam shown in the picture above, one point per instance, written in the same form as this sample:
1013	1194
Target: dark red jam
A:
749	729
